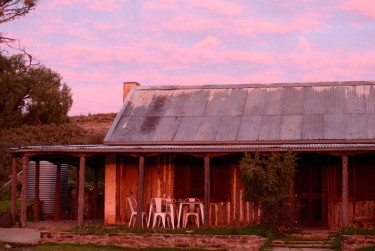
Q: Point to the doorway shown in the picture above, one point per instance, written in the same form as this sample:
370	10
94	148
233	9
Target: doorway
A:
310	191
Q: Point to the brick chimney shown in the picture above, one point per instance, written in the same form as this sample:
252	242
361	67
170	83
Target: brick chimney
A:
127	87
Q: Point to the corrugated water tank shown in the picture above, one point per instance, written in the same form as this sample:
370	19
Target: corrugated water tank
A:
47	185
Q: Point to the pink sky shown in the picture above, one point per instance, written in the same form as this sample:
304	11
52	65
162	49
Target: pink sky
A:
98	44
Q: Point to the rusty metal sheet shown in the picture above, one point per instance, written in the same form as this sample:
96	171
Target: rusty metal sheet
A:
356	126
291	127
255	102
335	100
315	100
208	129
166	129
270	128
292	101
188	129
228	129
313	126
356	97
249	128
334	126
370	127
273	100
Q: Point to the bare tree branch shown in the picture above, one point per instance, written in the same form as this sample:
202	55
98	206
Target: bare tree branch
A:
12	9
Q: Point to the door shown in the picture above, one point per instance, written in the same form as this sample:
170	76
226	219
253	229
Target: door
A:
309	192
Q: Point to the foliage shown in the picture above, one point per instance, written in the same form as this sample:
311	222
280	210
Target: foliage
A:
32	95
66	134
357	231
267	181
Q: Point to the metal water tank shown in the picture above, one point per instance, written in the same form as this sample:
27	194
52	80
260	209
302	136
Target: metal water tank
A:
47	185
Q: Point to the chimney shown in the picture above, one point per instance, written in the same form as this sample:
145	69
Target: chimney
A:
127	87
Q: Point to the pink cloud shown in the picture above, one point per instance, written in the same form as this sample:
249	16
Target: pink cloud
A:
364	7
302	23
94	5
182	22
218	6
160	4
303	43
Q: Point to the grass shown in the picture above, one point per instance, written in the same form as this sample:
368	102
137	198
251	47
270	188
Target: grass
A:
359	231
367	249
99	229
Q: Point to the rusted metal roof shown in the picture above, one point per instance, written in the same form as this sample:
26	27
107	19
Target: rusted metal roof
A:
247	114
102	149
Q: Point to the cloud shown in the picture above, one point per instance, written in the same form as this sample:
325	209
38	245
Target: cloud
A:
300	23
160	4
303	43
94	5
218	6
364	7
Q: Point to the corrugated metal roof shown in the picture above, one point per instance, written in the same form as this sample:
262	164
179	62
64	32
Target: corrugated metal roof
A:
297	112
192	148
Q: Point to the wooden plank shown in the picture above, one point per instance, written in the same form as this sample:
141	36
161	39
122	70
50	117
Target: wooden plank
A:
140	190
57	192
95	194
36	191
345	219
81	189
76	194
206	190
25	163
14	189
238	198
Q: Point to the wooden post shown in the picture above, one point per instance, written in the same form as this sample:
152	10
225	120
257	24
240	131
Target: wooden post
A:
81	189
25	163
140	191
237	220
76	194
57	192
36	191
206	191
95	193
345	218
14	189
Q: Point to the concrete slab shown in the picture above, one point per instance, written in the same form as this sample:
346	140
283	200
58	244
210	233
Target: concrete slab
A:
20	235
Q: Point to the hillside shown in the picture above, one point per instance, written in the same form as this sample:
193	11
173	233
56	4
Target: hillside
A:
94	123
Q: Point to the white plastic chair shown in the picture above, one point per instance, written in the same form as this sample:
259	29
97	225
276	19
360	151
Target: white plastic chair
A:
192	210
133	211
170	204
159	210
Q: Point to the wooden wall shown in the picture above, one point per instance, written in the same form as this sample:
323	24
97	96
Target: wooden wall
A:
159	182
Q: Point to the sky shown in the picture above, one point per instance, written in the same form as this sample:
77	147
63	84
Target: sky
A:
96	45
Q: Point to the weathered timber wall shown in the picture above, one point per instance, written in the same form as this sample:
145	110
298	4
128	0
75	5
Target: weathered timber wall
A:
358	208
159	182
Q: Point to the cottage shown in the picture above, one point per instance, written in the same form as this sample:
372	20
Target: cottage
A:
186	141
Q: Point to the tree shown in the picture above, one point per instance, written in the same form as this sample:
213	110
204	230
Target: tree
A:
31	94
13	9
267	182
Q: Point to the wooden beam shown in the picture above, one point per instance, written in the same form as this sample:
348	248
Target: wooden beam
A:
36	191
206	191
140	190
25	163
238	198
345	218
14	189
57	192
81	189
95	193
76	194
